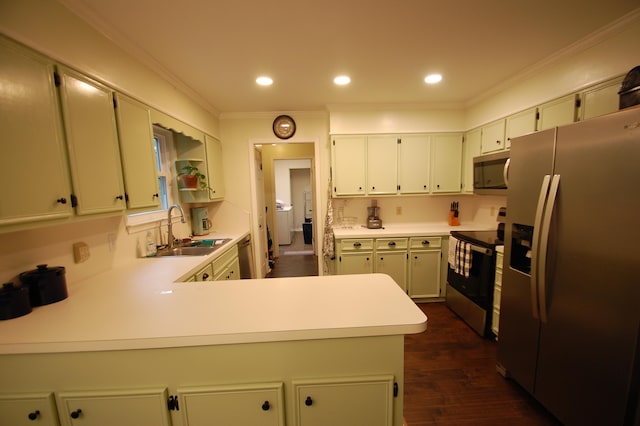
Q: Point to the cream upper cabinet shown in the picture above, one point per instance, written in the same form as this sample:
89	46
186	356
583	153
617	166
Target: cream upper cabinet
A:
33	140
92	141
520	124
138	154
214	167
446	162
492	137
601	99
558	112
382	165
414	156
349	165
471	148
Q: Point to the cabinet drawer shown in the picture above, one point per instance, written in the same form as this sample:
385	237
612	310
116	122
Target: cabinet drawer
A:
498	279
497	293
227	257
391	243
425	242
204	274
353	244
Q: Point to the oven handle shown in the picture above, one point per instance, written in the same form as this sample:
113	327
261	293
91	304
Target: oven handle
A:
544	247
482	250
542	198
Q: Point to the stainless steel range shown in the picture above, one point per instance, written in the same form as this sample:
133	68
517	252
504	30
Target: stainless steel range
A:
470	283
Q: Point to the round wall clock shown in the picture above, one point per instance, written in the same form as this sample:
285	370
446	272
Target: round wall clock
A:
284	127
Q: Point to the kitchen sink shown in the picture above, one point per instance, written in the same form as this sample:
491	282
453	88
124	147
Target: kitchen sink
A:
203	248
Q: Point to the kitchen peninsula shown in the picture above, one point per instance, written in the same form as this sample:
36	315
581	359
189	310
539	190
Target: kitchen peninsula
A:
131	346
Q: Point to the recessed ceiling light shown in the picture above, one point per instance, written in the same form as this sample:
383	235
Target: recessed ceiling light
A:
264	81
433	78
342	80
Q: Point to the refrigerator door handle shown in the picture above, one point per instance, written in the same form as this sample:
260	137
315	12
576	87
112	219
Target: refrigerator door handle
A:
544	247
542	198
505	172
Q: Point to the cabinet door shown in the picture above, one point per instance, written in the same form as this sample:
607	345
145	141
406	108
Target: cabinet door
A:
122	408
260	405
493	137
471	148
601	99
414	161
138	153
214	167
349	156
557	113
92	141
229	272
382	165
520	124
424	273
355	263
204	274
33	140
446	161
394	264
28	409
354	402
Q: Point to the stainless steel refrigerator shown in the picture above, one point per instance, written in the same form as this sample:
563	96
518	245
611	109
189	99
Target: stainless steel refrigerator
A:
570	303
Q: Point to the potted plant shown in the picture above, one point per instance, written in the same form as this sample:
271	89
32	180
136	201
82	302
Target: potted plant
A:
190	177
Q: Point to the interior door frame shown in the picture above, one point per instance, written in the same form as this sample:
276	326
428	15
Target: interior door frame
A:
315	183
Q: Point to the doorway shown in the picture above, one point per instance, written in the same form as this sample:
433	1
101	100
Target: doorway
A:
291	165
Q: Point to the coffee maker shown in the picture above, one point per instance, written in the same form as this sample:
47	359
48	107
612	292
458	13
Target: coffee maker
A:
200	223
373	221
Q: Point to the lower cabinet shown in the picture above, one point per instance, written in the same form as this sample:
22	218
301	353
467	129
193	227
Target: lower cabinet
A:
122	408
391	259
28	409
355	256
226	267
259	405
425	260
365	401
497	290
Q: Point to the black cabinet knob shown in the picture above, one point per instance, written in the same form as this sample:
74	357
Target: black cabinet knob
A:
425	242
415	257
391	243
120	197
357	244
156	195
61	200
308	402
266	406
205	277
34	415
76	414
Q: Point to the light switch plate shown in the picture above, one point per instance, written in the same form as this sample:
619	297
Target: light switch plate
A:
81	252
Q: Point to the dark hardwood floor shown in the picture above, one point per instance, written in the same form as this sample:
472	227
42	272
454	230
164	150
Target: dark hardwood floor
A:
450	374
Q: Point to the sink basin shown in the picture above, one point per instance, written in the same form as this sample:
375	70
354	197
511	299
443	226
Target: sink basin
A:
206	247
186	251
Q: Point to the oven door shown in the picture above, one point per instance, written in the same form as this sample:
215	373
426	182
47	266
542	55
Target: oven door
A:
478	286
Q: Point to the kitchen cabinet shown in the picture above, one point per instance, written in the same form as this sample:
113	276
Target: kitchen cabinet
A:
137	153
354	401
227	266
204	274
252	404
425	264
446	162
215	171
497	290
92	143
471	149
349	165
382	165
600	99
34	169
114	407
391	259
558	112
520	124
414	158
28	409
355	256
492	138
191	153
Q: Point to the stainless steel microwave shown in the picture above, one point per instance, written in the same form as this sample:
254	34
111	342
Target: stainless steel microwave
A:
491	174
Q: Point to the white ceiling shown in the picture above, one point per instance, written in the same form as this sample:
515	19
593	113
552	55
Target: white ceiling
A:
217	48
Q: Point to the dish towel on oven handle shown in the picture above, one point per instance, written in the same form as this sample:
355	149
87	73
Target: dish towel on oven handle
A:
460	256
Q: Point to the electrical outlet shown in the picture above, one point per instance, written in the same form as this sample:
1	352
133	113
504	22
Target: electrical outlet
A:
81	252
398	210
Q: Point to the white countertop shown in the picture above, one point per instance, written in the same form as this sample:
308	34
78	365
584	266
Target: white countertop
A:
408	230
139	306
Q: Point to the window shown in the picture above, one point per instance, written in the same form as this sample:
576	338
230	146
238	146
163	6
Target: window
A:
164	168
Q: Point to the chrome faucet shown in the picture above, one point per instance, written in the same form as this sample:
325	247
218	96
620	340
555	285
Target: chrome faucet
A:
170	225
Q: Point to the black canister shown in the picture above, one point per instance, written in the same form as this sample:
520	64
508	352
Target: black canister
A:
14	301
46	285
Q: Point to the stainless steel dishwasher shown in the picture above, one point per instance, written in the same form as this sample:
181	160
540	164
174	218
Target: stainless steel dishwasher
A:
245	258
